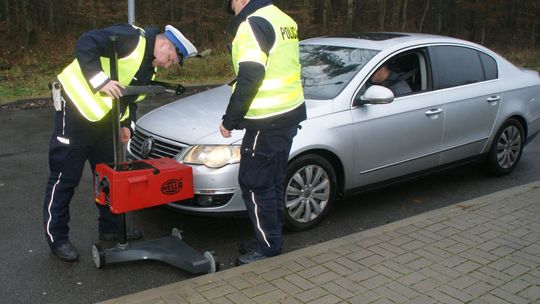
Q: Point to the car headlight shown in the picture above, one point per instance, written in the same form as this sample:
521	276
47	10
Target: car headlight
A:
212	156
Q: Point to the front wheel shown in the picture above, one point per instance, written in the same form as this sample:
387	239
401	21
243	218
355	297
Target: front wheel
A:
311	188
506	149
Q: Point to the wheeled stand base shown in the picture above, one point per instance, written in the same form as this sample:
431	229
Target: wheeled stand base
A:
170	249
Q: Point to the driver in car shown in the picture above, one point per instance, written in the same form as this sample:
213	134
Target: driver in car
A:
386	77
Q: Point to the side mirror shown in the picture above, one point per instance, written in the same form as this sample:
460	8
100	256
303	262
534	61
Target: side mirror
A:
377	94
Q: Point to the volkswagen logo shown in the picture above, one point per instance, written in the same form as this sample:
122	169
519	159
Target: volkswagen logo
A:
147	146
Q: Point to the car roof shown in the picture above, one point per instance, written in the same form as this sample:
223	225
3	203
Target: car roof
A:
383	40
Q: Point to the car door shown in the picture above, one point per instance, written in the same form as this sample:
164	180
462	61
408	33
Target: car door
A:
398	138
467	79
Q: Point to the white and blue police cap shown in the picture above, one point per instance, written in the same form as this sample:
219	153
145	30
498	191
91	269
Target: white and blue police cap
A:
183	46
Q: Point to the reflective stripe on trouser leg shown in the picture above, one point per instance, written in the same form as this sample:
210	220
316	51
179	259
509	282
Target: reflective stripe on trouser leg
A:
48	221
258	220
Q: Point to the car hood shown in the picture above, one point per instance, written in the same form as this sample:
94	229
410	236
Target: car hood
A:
195	119
192	120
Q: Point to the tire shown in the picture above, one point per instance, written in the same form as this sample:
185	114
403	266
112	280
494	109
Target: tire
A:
310	192
213	260
98	255
506	148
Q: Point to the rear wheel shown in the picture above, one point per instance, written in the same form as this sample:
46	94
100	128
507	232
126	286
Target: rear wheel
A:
310	191
506	149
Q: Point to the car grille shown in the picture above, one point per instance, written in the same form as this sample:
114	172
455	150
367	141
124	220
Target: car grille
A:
146	145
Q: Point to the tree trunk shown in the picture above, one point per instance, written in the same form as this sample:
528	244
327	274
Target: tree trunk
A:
478	20
396	6
382	15
420	28
50	19
404	15
80	23
483	34
28	24
534	31
440	12
326	11
7	16
350	16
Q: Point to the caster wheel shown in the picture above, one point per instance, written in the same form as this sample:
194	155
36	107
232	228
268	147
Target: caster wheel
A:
98	255
214	261
176	233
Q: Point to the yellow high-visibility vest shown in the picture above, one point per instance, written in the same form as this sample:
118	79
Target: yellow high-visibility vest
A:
94	106
281	90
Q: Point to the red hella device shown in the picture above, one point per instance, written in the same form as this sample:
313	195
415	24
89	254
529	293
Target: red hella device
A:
142	184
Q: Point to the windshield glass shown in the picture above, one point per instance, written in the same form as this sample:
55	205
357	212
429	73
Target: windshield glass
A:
326	70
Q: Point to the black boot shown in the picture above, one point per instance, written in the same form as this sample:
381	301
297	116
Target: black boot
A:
65	251
250	257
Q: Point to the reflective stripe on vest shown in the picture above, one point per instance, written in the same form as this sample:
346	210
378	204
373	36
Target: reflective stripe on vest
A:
281	90
95	106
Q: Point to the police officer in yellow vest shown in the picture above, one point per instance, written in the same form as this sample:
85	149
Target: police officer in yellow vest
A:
268	102
83	126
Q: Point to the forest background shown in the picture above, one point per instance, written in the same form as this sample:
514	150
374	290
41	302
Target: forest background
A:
38	36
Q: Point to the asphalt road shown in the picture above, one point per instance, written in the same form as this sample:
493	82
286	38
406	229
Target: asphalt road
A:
29	273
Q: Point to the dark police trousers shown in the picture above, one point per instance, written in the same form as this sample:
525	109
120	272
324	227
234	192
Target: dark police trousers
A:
75	140
261	176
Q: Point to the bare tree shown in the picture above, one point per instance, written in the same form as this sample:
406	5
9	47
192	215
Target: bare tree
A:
50	15
395	10
7	17
440	12
404	15
382	14
327	8
421	26
350	15
28	22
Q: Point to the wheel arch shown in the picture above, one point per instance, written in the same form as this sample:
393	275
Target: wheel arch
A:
519	119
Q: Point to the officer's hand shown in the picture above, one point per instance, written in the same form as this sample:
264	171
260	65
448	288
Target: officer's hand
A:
125	135
113	89
224	132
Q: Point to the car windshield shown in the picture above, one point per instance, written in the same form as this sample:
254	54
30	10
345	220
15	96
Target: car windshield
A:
326	69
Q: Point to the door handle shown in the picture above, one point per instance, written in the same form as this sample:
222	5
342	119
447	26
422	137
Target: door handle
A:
493	99
435	111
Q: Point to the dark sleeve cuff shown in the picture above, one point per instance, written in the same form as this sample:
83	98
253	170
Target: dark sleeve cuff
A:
228	124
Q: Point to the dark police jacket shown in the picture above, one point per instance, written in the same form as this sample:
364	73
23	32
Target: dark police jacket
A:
251	75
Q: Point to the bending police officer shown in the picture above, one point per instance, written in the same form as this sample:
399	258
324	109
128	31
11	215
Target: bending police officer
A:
83	126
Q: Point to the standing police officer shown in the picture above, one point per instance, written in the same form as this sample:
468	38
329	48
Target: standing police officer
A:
268	102
83	125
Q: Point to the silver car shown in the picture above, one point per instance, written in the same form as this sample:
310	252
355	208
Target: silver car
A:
467	103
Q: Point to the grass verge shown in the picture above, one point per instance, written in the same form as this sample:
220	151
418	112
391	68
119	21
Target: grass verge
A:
31	80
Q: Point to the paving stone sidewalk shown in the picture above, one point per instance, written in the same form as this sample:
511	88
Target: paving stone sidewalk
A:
485	251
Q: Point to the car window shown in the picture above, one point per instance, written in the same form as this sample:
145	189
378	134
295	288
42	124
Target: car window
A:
457	66
326	70
490	66
408	74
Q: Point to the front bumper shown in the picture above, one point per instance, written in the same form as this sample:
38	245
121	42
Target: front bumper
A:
216	191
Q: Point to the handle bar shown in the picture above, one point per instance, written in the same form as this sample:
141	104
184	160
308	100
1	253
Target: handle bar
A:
152	89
